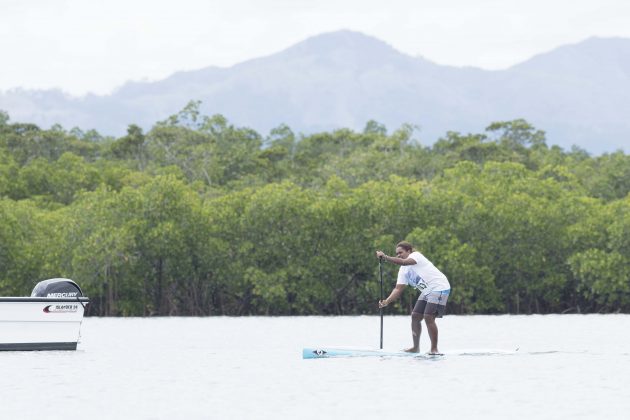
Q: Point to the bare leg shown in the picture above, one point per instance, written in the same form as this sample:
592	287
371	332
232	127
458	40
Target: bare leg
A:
433	332
416	330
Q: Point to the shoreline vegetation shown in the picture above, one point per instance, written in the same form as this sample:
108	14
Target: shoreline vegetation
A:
200	217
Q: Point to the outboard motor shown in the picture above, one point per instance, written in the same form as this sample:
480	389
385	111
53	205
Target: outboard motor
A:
57	288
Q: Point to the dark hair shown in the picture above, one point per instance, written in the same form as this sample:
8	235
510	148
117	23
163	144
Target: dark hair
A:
405	245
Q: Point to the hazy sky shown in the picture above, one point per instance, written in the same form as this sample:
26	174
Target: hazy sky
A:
95	46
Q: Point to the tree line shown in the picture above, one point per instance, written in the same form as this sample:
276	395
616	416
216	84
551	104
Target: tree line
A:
201	217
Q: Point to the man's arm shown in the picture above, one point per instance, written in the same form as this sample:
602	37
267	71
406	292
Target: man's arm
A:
395	260
395	294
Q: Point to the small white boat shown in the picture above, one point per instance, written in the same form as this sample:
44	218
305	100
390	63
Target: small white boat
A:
50	319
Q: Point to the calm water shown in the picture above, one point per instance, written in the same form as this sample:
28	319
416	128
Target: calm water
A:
567	366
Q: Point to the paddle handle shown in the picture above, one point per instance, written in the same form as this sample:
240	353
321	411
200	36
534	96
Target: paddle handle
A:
380	271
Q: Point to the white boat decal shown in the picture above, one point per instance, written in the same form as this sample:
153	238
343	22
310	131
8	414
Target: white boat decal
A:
61	308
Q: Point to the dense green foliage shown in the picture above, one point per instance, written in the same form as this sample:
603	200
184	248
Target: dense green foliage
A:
200	217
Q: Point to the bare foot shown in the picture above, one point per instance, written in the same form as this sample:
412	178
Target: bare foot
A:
412	350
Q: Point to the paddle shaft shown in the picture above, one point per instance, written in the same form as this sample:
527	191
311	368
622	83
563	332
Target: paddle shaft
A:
380	271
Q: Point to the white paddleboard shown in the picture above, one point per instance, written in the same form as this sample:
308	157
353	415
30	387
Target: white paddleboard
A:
330	352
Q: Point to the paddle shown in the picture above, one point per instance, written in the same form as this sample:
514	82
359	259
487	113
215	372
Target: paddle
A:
380	270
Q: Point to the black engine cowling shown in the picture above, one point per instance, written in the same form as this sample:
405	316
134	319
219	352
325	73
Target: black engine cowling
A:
57	288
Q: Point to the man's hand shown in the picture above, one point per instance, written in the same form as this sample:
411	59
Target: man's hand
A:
382	303
380	254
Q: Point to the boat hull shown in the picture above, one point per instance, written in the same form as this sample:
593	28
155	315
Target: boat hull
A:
40	323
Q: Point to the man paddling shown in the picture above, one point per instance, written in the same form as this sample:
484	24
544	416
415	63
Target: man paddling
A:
418	272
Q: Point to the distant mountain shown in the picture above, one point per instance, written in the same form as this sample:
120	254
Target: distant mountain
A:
578	94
